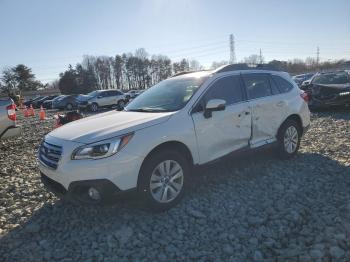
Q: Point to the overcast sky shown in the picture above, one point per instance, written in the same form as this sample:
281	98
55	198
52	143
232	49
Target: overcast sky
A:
49	35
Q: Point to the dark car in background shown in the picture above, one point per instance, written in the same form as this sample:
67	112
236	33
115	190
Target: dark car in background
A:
48	103
38	103
32	101
299	79
328	89
67	102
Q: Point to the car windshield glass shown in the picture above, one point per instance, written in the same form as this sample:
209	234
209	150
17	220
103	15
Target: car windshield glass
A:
93	93
334	78
167	96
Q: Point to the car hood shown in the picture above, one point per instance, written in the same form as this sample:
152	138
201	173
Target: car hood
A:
107	125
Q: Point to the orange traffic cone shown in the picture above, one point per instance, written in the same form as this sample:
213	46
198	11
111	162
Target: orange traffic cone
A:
25	112
31	111
42	114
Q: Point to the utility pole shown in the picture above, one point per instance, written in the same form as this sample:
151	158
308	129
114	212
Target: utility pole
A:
232	49
260	57
318	56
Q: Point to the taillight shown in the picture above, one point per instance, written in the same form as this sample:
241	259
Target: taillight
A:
11	112
305	96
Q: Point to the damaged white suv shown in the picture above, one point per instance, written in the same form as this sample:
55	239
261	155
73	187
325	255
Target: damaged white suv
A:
187	120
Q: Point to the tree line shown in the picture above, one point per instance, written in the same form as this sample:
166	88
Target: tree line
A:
16	79
126	71
136	70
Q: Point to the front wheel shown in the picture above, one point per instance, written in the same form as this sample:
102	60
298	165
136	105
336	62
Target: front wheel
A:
288	139
121	104
94	107
163	180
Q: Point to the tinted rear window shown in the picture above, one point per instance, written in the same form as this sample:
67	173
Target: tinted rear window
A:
283	85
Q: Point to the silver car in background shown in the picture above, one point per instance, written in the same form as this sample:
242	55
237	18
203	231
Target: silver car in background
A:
8	127
101	98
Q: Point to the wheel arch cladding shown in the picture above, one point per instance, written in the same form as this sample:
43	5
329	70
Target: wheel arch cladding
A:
169	145
297	119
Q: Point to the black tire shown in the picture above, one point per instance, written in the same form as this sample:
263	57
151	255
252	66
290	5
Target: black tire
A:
69	106
283	151
121	104
147	169
94	107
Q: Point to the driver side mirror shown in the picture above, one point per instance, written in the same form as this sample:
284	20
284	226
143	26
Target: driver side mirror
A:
214	105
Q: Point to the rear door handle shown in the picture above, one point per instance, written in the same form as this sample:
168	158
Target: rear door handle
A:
247	113
281	103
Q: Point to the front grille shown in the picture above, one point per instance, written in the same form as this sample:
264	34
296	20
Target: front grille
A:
50	154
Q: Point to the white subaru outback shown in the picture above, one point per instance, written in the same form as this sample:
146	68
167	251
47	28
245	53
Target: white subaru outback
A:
187	120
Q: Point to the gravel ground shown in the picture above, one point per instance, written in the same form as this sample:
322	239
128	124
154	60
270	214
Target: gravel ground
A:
252	208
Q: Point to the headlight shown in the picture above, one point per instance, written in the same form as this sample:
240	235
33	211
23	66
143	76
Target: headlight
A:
344	93
101	149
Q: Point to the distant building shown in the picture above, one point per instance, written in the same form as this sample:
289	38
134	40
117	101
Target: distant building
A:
35	93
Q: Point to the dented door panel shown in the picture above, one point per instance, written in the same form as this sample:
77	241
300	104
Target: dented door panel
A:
223	133
267	115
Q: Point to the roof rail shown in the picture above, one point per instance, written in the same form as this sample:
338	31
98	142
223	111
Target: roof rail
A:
188	72
234	67
182	73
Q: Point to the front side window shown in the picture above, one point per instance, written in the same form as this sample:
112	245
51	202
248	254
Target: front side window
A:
283	85
258	85
226	88
167	96
93	93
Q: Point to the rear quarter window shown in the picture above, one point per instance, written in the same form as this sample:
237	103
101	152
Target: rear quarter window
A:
283	85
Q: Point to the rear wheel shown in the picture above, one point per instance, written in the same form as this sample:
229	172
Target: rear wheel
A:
288	139
163	180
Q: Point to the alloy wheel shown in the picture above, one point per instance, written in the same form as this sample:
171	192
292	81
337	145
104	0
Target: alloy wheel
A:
93	107
291	139
166	181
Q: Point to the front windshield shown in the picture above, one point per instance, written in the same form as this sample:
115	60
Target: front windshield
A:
334	78
93	93
169	95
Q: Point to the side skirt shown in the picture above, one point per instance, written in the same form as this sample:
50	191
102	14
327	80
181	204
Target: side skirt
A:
238	153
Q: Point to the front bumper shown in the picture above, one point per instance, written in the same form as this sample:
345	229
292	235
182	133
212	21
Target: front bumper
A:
121	170
78	191
11	131
83	106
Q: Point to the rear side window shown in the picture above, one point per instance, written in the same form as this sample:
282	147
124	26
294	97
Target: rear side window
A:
226	88
283	85
258	85
113	93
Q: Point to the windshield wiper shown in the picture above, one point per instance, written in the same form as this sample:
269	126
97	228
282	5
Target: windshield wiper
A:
138	110
148	109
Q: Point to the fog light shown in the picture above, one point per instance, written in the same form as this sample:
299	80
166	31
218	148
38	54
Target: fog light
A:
94	194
